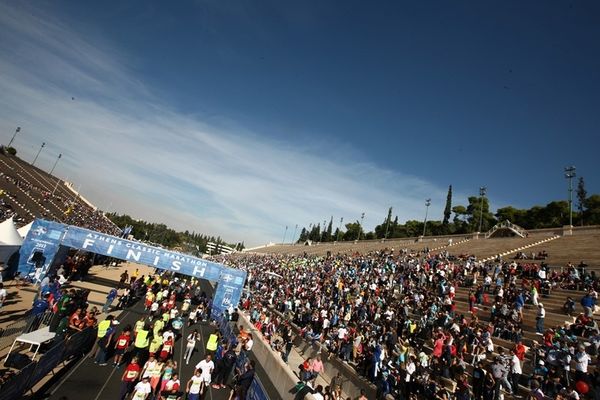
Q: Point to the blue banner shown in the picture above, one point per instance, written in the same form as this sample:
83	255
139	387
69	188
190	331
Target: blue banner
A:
229	290
256	391
45	237
142	253
39	248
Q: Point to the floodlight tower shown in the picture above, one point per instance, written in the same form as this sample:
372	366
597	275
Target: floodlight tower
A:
13	137
38	153
55	162
427	204
570	174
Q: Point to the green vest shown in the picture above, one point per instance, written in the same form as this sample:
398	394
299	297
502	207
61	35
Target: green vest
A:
141	340
212	342
103	328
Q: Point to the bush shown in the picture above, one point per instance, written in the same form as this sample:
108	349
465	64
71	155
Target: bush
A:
12	151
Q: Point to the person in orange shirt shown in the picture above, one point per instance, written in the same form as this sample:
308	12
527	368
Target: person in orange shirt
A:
75	321
90	320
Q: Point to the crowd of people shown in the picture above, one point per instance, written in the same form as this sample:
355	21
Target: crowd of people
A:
145	350
394	317
73	211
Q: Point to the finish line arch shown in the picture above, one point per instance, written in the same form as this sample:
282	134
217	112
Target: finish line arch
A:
45	239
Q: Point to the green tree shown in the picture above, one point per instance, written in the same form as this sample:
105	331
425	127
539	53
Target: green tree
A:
448	208
328	232
353	230
592	210
303	235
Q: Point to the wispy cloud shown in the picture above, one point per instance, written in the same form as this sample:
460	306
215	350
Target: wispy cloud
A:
135	154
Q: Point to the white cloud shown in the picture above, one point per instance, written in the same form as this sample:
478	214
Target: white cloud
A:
134	154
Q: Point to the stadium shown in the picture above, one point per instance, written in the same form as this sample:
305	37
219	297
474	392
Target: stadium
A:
229	201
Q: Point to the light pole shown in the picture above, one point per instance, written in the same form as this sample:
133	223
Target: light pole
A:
294	235
362	217
55	162
570	174
38	153
427	204
481	196
13	137
284	234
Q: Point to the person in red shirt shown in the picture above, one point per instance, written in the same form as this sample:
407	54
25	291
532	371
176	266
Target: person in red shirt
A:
171	387
167	349
121	345
520	350
129	378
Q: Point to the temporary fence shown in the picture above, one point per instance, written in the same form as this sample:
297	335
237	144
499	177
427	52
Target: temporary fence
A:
23	325
257	390
32	373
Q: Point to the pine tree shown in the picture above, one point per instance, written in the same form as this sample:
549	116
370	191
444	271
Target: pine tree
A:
387	222
581	197
448	209
330	229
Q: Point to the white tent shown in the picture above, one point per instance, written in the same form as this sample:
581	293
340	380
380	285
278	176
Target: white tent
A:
9	234
24	230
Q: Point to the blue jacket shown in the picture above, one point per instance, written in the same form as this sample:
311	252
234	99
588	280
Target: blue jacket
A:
587	301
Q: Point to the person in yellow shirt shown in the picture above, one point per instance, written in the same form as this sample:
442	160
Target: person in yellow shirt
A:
159	325
155	344
213	341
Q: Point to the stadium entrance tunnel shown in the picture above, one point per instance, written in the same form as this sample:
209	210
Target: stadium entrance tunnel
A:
48	243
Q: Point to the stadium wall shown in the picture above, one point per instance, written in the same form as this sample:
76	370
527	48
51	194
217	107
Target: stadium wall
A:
278	372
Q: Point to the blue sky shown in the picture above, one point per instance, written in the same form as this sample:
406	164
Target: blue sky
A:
239	118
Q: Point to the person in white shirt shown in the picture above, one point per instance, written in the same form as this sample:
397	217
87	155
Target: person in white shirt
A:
149	367
515	372
168	334
3	294
541	314
249	343
142	389
582	360
206	368
190	345
410	369
195	386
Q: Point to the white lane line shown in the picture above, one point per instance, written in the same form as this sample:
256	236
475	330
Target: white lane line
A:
68	375
85	357
105	383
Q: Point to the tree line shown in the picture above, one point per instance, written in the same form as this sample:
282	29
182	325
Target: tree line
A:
464	219
188	242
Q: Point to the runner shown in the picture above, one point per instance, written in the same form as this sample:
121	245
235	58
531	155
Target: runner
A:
142	390
191	345
129	378
206	366
171	389
121	345
195	386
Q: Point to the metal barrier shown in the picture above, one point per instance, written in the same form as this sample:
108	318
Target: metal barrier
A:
31	374
26	324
